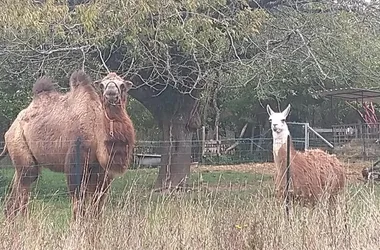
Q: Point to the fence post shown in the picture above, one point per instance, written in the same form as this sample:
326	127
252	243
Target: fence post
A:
252	138
203	142
218	143
77	167
365	129
287	204
307	136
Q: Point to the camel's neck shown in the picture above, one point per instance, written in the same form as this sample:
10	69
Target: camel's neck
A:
114	117
120	137
114	112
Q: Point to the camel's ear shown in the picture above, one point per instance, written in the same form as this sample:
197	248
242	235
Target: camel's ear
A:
269	110
97	84
286	111
127	85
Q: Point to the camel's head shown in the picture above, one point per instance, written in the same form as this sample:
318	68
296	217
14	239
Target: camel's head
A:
113	89
278	122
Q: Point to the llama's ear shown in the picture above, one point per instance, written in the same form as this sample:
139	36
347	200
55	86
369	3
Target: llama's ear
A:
286	111
269	110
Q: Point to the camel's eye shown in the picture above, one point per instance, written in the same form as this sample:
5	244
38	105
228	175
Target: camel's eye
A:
101	86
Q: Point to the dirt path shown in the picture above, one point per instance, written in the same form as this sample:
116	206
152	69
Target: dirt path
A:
260	168
353	169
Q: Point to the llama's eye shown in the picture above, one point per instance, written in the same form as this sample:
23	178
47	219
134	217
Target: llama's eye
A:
270	120
283	120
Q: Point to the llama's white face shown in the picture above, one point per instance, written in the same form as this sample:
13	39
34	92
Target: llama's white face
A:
278	122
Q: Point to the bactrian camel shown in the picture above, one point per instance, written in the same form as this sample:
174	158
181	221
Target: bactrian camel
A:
45	134
314	173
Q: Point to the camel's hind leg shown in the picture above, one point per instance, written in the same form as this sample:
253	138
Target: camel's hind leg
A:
97	188
17	201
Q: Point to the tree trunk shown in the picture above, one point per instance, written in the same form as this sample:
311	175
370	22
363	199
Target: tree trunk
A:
178	116
176	155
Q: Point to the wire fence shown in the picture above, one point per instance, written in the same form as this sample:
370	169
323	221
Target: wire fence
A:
226	151
223	151
361	142
357	141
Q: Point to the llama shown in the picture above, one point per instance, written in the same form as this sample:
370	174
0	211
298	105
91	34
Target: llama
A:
314	173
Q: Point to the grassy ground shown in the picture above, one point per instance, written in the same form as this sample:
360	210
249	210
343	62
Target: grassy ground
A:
229	209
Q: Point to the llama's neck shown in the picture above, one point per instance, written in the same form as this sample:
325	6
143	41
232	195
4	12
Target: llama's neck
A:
280	152
279	140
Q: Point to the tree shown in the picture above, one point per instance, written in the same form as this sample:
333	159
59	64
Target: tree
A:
306	47
169	50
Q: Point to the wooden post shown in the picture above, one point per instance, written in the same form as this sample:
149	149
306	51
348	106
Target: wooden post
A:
217	141
364	140
307	136
203	142
287	204
252	137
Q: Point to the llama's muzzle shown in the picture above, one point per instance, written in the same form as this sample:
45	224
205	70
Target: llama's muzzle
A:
276	129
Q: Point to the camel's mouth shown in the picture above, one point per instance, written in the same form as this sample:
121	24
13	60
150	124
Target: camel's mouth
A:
112	99
113	103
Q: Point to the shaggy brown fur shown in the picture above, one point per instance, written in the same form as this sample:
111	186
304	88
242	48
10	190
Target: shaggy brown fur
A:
44	134
80	79
43	84
314	174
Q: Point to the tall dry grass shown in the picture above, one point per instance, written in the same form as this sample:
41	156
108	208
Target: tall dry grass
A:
203	220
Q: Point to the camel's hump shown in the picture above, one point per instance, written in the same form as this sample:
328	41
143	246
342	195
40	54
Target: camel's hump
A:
78	78
43	84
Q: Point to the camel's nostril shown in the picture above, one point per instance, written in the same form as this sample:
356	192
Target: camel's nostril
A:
112	97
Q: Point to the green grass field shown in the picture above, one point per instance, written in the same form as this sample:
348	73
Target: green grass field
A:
226	210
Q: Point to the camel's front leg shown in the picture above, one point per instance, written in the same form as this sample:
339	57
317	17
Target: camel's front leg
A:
76	195
76	168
